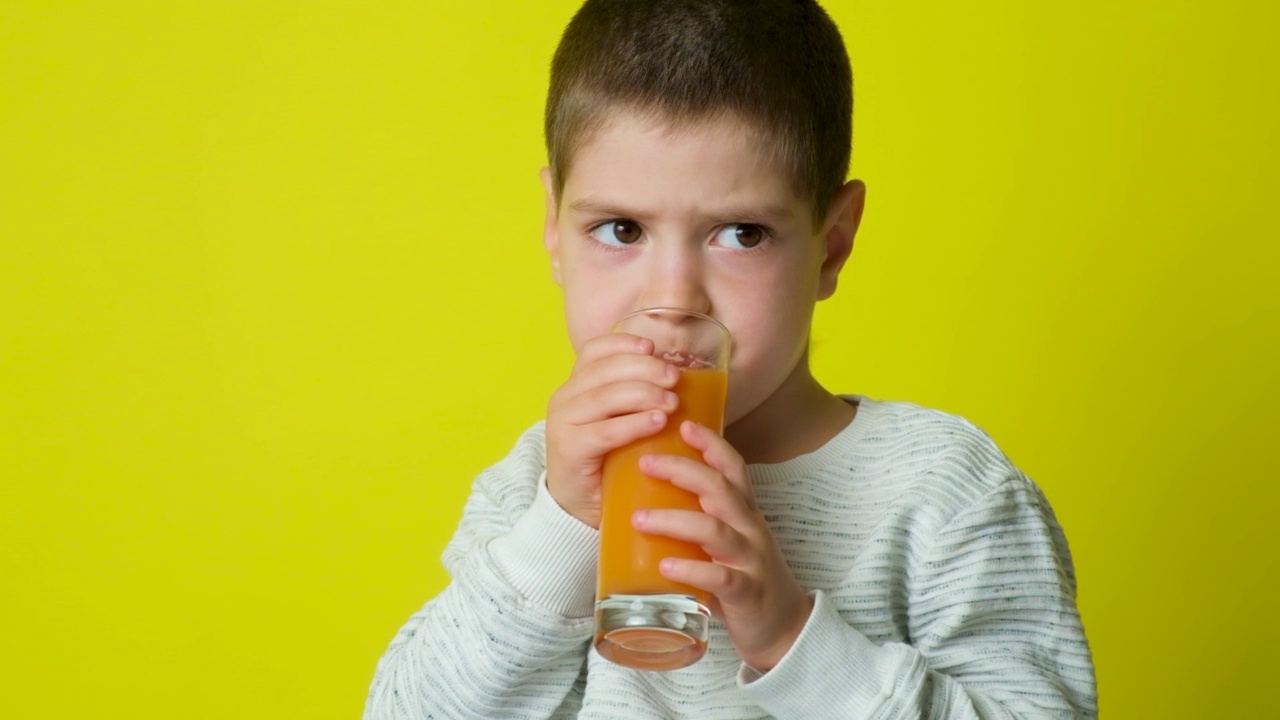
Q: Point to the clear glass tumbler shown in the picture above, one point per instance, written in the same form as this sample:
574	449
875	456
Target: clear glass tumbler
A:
644	620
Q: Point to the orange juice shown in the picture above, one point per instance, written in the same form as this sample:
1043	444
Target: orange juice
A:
629	559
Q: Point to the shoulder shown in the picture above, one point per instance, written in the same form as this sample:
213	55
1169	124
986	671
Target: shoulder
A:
512	482
934	458
500	495
530	449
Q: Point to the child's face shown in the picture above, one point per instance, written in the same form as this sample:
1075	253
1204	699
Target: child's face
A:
696	218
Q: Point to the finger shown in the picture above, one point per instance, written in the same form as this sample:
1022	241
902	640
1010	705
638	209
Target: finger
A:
720	455
618	368
613	344
718	497
727	585
614	400
717	538
598	438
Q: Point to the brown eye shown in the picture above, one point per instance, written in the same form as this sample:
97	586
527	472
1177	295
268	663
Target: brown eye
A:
625	232
617	233
749	235
741	236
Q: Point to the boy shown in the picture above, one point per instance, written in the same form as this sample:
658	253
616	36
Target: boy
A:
868	559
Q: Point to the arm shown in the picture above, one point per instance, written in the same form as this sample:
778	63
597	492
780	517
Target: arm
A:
508	637
994	627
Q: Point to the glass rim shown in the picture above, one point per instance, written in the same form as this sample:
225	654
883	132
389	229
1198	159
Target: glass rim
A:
666	309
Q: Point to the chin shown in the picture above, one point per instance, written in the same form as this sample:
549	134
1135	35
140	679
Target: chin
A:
739	407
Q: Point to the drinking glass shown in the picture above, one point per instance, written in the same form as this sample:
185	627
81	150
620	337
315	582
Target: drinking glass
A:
644	620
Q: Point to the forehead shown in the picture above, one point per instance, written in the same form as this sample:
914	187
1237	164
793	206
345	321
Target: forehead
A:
697	164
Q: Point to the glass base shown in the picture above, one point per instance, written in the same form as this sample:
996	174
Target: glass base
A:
651	632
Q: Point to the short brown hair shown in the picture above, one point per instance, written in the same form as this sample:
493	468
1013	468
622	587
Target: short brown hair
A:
780	65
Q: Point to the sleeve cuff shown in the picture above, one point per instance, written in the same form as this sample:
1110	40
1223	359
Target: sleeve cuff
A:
802	678
550	557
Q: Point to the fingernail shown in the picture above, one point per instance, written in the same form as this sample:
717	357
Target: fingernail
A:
658	416
670	399
640	517
673	373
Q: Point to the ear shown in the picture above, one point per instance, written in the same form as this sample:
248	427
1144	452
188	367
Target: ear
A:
551	228
838	231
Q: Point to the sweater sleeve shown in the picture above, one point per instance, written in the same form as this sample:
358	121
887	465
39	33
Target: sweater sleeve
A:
995	632
507	638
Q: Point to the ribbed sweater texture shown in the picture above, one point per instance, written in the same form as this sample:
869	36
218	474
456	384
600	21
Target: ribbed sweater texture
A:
943	587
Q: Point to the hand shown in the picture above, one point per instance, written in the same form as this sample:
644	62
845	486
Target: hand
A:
756	596
617	393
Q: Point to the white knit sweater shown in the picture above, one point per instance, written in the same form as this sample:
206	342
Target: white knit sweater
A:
943	588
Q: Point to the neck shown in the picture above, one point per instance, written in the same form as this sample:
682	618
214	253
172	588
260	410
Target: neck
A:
798	418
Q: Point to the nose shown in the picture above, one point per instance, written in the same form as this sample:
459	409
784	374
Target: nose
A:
675	276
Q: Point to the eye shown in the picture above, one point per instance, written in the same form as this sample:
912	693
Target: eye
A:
617	233
741	236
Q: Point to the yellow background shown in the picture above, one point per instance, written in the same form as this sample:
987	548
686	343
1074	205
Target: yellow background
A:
272	292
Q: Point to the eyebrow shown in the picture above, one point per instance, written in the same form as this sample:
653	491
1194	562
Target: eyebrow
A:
765	213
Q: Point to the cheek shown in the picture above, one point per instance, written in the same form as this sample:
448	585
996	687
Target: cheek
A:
770	346
771	325
590	311
579	320
775	305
